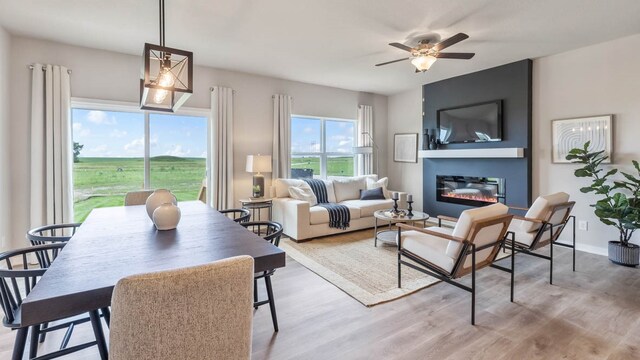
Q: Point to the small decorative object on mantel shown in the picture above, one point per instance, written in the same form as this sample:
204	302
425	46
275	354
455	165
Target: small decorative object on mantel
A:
618	202
426	139
166	216
433	140
159	197
410	201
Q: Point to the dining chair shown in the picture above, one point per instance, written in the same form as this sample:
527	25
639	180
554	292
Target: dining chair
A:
542	225
450	254
201	312
16	282
271	232
137	197
238	215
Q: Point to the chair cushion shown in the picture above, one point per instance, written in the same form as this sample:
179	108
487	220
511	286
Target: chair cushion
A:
348	188
463	226
372	194
382	183
541	208
368	207
303	193
428	247
320	215
525	238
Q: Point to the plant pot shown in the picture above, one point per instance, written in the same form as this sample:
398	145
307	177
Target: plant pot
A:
624	255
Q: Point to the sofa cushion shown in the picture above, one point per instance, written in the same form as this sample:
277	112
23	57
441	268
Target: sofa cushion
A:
320	215
331	192
348	188
541	208
372	194
428	247
282	186
382	183
368	207
463	226
303	193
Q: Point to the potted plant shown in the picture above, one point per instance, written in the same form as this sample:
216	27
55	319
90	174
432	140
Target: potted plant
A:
620	203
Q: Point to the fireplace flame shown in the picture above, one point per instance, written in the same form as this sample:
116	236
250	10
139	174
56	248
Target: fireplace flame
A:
474	197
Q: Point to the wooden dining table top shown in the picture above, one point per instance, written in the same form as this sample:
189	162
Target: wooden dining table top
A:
116	242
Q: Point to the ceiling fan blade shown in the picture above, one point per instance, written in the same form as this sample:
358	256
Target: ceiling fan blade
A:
465	56
450	41
401	46
391	62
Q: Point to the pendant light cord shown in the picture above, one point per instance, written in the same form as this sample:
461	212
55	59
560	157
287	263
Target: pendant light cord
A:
162	23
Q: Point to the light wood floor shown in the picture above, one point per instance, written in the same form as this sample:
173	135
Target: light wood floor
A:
593	313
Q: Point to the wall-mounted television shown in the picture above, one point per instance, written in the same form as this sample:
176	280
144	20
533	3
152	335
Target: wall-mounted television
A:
471	123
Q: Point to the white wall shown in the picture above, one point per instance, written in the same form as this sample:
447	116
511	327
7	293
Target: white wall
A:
106	75
405	116
595	80
5	47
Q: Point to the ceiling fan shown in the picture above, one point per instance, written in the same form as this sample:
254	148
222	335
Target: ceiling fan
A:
425	54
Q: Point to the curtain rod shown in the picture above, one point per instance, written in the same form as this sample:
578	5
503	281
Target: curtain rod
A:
30	66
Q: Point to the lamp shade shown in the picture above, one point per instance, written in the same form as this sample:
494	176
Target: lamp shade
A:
363	150
423	62
258	163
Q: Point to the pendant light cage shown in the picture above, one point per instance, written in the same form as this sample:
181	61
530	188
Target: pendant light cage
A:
167	76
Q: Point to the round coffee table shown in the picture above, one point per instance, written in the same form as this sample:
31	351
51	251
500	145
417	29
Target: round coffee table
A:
388	235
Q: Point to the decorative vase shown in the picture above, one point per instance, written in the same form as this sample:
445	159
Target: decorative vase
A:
159	197
433	141
624	255
425	139
166	216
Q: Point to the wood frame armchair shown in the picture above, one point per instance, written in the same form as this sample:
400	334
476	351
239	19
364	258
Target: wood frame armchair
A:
473	247
550	228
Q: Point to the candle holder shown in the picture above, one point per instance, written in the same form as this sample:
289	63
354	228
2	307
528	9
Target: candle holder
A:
410	208
395	206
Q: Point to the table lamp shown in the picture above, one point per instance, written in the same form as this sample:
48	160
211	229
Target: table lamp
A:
257	164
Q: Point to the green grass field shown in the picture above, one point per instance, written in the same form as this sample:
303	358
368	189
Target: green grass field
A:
102	182
336	166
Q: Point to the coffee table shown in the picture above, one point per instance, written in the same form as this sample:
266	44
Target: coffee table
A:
388	235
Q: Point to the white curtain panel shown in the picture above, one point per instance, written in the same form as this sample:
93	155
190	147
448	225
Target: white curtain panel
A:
51	146
365	124
220	183
281	136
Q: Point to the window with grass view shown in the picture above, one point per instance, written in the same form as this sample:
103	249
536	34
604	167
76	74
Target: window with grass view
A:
118	151
322	147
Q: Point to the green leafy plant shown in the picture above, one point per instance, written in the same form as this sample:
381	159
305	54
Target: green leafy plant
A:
620	202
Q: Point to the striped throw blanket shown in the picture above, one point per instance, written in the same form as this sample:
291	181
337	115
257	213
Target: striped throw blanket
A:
339	216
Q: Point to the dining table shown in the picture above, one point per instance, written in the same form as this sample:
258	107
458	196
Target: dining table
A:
116	242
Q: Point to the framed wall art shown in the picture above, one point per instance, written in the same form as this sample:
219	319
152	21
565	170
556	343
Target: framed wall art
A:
567	134
405	148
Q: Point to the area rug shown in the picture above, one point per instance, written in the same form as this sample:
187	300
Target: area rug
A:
351	263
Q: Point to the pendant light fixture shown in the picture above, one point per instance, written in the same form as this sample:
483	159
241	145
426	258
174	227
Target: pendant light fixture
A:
167	76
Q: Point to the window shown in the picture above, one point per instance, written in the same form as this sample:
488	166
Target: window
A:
118	149
322	147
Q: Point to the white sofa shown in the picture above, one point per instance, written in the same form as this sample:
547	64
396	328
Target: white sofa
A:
301	221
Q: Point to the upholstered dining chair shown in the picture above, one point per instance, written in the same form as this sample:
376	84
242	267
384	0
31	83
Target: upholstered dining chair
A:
17	279
137	197
449	254
541	226
238	215
272	232
201	312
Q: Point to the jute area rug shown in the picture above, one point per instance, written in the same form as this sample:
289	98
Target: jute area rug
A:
351	263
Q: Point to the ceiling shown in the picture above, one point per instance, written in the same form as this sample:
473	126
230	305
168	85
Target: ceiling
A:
330	42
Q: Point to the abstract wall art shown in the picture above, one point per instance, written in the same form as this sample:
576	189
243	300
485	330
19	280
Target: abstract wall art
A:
571	133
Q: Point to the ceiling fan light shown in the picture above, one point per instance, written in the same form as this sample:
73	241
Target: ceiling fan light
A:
423	62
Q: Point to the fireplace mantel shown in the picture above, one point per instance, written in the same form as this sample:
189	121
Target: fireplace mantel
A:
473	153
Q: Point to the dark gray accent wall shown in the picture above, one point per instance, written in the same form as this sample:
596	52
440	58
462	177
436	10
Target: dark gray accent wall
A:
510	83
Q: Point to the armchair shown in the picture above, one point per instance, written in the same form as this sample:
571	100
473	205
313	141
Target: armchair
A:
541	226
449	254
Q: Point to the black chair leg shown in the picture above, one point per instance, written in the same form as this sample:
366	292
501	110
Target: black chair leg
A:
18	345
399	271
574	244
106	314
99	334
33	344
43	335
551	256
473	285
255	293
272	304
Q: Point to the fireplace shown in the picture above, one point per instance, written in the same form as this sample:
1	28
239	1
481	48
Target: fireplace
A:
470	190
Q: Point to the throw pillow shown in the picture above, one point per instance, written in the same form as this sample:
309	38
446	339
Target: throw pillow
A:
303	193
372	194
348	188
382	183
